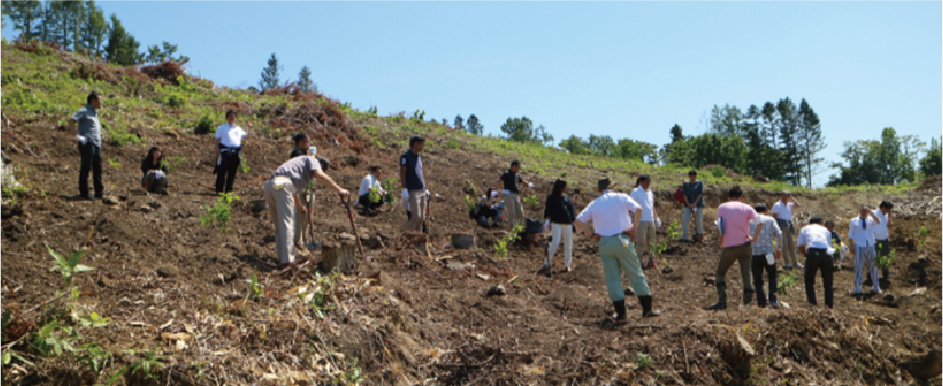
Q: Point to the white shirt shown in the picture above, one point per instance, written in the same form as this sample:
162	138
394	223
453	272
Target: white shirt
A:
230	136
369	182
862	235
646	201
609	213
814	236
783	212
880	230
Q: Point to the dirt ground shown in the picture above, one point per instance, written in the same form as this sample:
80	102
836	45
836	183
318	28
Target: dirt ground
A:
409	317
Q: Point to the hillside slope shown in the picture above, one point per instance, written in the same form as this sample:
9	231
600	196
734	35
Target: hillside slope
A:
180	295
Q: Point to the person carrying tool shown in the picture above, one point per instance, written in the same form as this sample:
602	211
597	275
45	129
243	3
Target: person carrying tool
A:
281	196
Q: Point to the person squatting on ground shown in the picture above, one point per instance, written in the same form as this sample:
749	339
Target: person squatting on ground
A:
735	240
90	141
782	212
229	138
835	243
693	191
281	195
813	242
882	246
861	239
413	184
645	231
558	220
371	184
609	214
511	181
486	210
765	255
155	171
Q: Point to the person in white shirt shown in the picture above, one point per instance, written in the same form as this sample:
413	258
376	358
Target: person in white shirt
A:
372	183
612	229
861	238
645	233
882	235
813	241
229	138
782	212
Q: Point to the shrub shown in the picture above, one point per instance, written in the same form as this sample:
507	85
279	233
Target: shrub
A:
451	144
204	125
718	171
220	214
176	101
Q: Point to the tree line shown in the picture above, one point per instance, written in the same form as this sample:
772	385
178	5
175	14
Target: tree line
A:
80	26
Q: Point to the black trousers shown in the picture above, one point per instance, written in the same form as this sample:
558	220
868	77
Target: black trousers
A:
758	266
882	248
226	171
817	259
91	159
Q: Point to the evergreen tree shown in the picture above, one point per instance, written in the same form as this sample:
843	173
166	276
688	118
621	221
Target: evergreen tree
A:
473	126
575	145
932	163
26	16
676	133
94	29
304	81
270	74
459	123
519	130
122	49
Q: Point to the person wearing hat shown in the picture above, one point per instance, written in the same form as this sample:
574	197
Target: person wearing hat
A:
765	254
861	240
782	212
281	195
813	242
645	232
693	191
733	218
612	229
511	181
413	184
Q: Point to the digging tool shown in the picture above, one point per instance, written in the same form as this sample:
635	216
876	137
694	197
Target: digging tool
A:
310	204
350	216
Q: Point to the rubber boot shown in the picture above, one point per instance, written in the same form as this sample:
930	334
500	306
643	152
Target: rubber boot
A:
620	310
721	297
747	296
646	302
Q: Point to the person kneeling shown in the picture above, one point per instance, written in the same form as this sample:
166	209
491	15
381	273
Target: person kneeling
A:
155	171
371	191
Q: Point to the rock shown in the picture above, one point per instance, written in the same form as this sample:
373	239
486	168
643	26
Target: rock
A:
919	291
110	200
144	208
167	271
463	240
926	367
154	204
497	290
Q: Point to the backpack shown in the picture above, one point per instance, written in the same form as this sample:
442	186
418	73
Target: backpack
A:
679	195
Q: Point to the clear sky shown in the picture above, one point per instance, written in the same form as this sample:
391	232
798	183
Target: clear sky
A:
628	69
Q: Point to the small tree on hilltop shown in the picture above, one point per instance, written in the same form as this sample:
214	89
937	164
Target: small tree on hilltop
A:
473	126
304	81
270	74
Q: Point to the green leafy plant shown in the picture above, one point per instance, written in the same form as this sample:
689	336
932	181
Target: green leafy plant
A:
220	214
68	267
451	144
501	246
389	185
374	195
244	167
718	171
642	361
174	162
922	236
532	200
787	281
54	338
204	125
176	101
255	289
352	374
146	365
113	162
885	261
95	356
470	203
319	297
15	191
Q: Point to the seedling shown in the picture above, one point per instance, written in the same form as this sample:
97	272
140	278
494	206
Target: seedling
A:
642	361
787	281
113	162
922	236
69	267
318	298
255	289
532	200
54	339
374	196
244	168
501	247
885	261
470	203
220	214
146	364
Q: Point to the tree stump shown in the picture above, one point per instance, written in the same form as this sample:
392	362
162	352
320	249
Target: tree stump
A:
340	255
463	240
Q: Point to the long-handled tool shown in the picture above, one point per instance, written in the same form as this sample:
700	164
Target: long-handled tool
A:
350	216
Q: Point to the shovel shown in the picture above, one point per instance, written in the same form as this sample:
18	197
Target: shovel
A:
350	216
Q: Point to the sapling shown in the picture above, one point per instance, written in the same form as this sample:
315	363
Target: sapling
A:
220	214
922	235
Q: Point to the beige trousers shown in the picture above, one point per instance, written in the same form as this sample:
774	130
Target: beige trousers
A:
278	196
417	206
515	210
644	235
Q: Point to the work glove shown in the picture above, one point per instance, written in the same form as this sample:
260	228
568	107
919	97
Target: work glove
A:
405	194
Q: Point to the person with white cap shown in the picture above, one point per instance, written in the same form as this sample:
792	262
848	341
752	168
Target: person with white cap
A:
281	196
782	212
612	229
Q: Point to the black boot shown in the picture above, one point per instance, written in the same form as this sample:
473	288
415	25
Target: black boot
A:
646	302
620	310
718	306
721	297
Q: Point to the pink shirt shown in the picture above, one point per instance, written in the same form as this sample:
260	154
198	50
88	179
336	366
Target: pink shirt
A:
735	219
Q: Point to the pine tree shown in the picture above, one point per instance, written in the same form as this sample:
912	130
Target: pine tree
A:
94	29
304	81
473	126
122	49
270	74
459	122
25	15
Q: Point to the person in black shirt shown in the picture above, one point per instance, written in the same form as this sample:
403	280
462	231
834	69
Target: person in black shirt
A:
559	215
486	210
415	194
155	171
835	239
511	181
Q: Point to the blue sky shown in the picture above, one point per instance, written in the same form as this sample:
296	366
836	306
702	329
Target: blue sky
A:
627	69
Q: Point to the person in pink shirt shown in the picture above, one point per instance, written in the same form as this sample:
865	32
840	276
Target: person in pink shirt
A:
735	241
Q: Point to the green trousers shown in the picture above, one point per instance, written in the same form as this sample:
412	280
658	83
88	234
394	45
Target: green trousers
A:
618	256
743	254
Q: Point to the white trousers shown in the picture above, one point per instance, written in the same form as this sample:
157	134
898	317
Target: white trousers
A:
565	232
